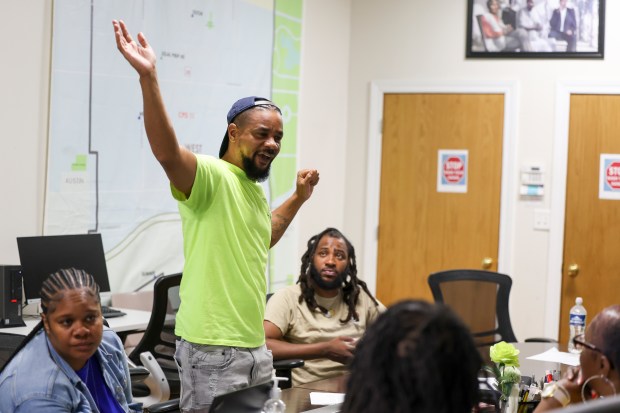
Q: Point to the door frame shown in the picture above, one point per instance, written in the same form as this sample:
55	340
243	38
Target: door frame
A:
508	192
564	90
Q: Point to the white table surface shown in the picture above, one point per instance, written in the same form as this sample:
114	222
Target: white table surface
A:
134	320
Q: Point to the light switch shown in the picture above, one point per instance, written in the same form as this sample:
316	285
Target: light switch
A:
541	219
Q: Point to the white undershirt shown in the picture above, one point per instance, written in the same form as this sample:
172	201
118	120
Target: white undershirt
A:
562	18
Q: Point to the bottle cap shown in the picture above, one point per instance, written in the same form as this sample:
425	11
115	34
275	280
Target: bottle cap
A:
578	300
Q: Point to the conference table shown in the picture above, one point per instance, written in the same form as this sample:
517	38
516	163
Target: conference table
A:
297	398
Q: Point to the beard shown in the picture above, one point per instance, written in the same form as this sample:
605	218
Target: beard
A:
334	284
252	171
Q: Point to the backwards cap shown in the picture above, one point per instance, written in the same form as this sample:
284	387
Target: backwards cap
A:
237	108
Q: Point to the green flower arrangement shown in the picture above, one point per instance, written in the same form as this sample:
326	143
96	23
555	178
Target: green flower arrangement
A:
505	368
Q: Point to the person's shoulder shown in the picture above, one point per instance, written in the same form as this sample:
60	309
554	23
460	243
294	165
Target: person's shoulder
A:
285	294
32	371
207	160
367	300
289	289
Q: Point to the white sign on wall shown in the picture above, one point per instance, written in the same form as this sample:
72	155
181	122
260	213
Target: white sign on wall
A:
452	166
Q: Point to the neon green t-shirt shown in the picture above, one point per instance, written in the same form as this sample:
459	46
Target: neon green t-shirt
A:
226	235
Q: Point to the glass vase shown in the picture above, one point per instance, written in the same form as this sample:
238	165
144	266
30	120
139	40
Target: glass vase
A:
512	404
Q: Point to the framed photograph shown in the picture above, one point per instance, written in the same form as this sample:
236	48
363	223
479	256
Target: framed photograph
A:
535	28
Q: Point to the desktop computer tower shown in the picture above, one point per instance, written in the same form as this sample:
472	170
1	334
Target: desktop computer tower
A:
11	296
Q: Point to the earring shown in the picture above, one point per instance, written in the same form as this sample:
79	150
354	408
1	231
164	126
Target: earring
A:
600	376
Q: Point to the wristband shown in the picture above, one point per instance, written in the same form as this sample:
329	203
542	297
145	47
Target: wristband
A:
558	392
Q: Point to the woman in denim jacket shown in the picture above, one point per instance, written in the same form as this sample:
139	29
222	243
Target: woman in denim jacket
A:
69	362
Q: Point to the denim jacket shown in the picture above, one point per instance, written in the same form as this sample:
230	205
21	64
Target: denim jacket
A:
38	378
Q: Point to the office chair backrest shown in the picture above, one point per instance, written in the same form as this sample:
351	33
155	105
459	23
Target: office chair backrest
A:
480	298
8	344
159	337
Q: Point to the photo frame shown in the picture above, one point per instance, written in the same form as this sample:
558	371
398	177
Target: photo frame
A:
533	29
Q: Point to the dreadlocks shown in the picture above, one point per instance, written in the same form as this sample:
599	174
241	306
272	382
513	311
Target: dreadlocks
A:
52	291
351	284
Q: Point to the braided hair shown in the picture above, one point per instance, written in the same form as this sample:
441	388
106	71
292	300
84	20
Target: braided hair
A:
52	291
350	284
416	357
63	280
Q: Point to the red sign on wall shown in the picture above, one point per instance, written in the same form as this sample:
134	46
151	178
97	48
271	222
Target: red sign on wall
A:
612	175
453	169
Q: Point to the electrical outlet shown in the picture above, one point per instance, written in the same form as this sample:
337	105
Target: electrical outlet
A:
542	219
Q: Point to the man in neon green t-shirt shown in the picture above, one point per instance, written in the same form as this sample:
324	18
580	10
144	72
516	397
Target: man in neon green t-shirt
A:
227	230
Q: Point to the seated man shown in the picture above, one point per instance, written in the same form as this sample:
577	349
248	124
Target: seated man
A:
320	318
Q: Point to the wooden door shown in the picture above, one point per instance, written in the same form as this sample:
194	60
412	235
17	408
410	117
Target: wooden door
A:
421	230
592	224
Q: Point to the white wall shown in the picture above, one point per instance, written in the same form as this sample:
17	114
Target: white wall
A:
323	119
346	45
25	36
425	41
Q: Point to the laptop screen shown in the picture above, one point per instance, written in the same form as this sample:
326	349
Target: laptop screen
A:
41	256
247	400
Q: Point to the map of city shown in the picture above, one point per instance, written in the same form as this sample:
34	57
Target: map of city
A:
102	176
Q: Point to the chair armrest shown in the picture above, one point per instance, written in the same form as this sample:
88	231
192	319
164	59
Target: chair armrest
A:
287	364
168	406
540	340
138	374
156	381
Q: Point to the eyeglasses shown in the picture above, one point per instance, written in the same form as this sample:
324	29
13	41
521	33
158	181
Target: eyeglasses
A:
580	342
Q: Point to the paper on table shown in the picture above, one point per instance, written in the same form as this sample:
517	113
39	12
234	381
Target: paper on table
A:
555	356
323	399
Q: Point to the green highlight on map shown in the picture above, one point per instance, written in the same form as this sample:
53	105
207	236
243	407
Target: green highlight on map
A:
80	163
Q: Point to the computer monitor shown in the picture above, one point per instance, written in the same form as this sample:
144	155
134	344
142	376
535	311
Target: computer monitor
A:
41	256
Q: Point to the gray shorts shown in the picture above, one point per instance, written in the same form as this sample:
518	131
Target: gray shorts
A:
207	371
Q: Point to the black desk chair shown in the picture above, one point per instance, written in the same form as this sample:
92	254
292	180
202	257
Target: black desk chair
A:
159	338
8	344
480	298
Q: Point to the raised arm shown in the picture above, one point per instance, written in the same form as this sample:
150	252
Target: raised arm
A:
282	216
339	349
178	162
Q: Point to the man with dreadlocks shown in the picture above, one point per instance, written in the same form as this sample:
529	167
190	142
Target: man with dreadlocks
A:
69	362
320	318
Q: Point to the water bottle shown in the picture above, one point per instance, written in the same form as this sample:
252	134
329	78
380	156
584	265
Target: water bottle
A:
577	323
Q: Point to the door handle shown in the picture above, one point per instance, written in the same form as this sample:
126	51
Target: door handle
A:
486	263
573	270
